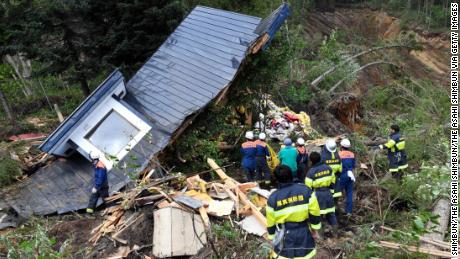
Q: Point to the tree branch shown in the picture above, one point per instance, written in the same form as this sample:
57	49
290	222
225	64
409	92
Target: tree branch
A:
319	79
359	69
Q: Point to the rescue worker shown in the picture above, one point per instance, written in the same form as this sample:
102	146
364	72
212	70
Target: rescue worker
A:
293	217
330	156
347	178
263	172
302	159
397	157
288	156
101	183
248	150
321	179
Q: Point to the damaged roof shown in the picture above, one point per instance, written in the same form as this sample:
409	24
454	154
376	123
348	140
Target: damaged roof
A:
190	69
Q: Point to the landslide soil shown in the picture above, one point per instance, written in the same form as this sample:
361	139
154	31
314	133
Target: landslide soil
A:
431	62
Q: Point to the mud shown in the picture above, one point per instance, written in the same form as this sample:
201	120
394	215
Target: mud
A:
77	231
371	26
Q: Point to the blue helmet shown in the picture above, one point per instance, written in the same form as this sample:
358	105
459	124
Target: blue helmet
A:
287	142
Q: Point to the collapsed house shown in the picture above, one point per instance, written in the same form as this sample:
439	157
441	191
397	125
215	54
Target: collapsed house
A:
132	122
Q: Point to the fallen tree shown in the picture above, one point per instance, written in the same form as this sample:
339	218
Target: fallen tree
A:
441	208
359	69
314	84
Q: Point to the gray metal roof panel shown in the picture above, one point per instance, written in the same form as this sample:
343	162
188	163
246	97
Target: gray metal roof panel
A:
232	15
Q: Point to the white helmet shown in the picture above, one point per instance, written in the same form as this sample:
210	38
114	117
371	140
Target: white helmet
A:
249	135
345	143
262	136
331	146
94	155
300	141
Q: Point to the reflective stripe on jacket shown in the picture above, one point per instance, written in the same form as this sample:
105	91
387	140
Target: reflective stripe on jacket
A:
332	160
395	143
320	176
295	206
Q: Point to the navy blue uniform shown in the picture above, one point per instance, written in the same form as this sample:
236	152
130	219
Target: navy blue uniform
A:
397	157
262	169
302	163
321	179
333	160
248	150
295	206
100	183
346	183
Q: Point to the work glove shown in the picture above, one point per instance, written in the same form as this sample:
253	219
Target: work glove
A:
94	190
350	174
381	146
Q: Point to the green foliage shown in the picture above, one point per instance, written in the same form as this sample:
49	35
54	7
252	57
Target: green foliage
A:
225	230
33	245
420	108
79	39
333	52
423	188
9	170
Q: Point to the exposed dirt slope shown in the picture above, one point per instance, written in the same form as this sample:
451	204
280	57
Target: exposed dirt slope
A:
371	26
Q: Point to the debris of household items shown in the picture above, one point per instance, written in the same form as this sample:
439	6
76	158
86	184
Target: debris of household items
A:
177	232
25	151
281	122
188	197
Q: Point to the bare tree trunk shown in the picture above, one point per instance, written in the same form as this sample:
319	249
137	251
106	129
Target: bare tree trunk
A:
23	69
442	209
319	79
6	107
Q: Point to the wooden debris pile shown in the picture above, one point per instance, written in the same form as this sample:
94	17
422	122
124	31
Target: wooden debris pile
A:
217	199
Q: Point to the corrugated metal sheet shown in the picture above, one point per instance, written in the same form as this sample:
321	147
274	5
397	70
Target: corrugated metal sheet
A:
197	61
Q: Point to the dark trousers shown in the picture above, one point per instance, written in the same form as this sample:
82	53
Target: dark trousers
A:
302	170
103	192
263	172
331	218
347	186
250	173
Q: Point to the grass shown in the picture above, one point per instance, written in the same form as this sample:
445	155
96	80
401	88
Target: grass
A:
32	241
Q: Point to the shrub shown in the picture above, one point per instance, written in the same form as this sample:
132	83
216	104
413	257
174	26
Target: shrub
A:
34	245
9	170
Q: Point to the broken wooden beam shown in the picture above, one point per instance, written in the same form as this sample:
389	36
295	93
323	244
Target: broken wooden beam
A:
229	182
233	185
435	242
414	249
261	41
